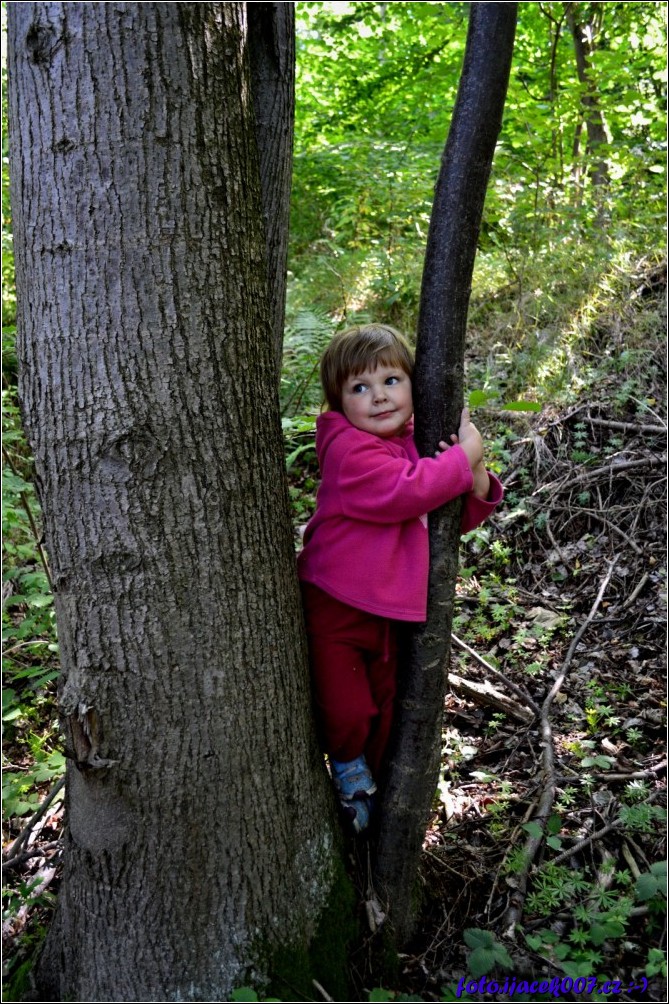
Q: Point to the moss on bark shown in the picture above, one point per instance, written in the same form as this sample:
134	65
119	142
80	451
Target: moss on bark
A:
293	968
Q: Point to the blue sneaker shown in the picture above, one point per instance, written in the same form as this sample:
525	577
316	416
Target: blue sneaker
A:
357	813
352	779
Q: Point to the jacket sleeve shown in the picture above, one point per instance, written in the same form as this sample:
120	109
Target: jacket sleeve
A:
476	510
379	487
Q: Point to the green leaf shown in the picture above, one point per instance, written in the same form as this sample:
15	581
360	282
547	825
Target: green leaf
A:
40	600
502	957
522	406
379	994
659	869
477	938
534	941
477	397
244	994
599	932
576	969
554	842
292	457
605	762
481	961
646	886
534	830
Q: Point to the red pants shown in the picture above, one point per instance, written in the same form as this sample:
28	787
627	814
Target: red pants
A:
353	657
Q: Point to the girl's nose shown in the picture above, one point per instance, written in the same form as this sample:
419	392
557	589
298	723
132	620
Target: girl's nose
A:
380	394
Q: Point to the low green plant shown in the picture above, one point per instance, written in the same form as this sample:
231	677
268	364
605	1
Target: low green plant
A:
656	964
642	816
600	917
249	994
486	952
584	749
652	883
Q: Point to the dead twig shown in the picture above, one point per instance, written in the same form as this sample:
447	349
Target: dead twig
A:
633	595
14	849
555	689
20	859
601	473
616	824
324	994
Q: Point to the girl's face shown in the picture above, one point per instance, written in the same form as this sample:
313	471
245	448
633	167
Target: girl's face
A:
378	401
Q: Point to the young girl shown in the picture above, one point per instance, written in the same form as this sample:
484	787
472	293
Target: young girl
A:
364	564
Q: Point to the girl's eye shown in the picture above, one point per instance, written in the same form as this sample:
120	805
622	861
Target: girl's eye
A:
391	381
358	388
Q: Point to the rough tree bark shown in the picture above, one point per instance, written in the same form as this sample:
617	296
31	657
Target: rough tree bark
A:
449	262
201	846
272	58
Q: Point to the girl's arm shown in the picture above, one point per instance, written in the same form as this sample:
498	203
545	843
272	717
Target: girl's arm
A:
373	484
378	486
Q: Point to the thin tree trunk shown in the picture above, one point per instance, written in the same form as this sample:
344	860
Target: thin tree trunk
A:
594	120
196	799
449	262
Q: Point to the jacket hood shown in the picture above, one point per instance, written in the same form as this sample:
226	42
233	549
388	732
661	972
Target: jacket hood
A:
331	424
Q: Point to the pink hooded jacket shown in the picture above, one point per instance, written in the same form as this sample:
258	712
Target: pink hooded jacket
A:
367	542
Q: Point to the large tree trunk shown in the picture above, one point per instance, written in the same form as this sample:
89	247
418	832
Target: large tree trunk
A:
438	380
201	844
272	54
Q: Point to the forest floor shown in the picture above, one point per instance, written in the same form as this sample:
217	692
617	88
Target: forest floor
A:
550	818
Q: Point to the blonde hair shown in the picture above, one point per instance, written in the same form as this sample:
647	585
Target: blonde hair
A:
357	349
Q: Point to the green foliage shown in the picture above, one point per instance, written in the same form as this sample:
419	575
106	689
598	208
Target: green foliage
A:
642	817
375	87
306	334
486	952
30	663
601	915
19	962
653	882
657	963
248	994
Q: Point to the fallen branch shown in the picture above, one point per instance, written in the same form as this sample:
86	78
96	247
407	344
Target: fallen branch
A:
14	924
555	689
485	693
627	426
520	692
603	473
634	775
20	859
514	911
